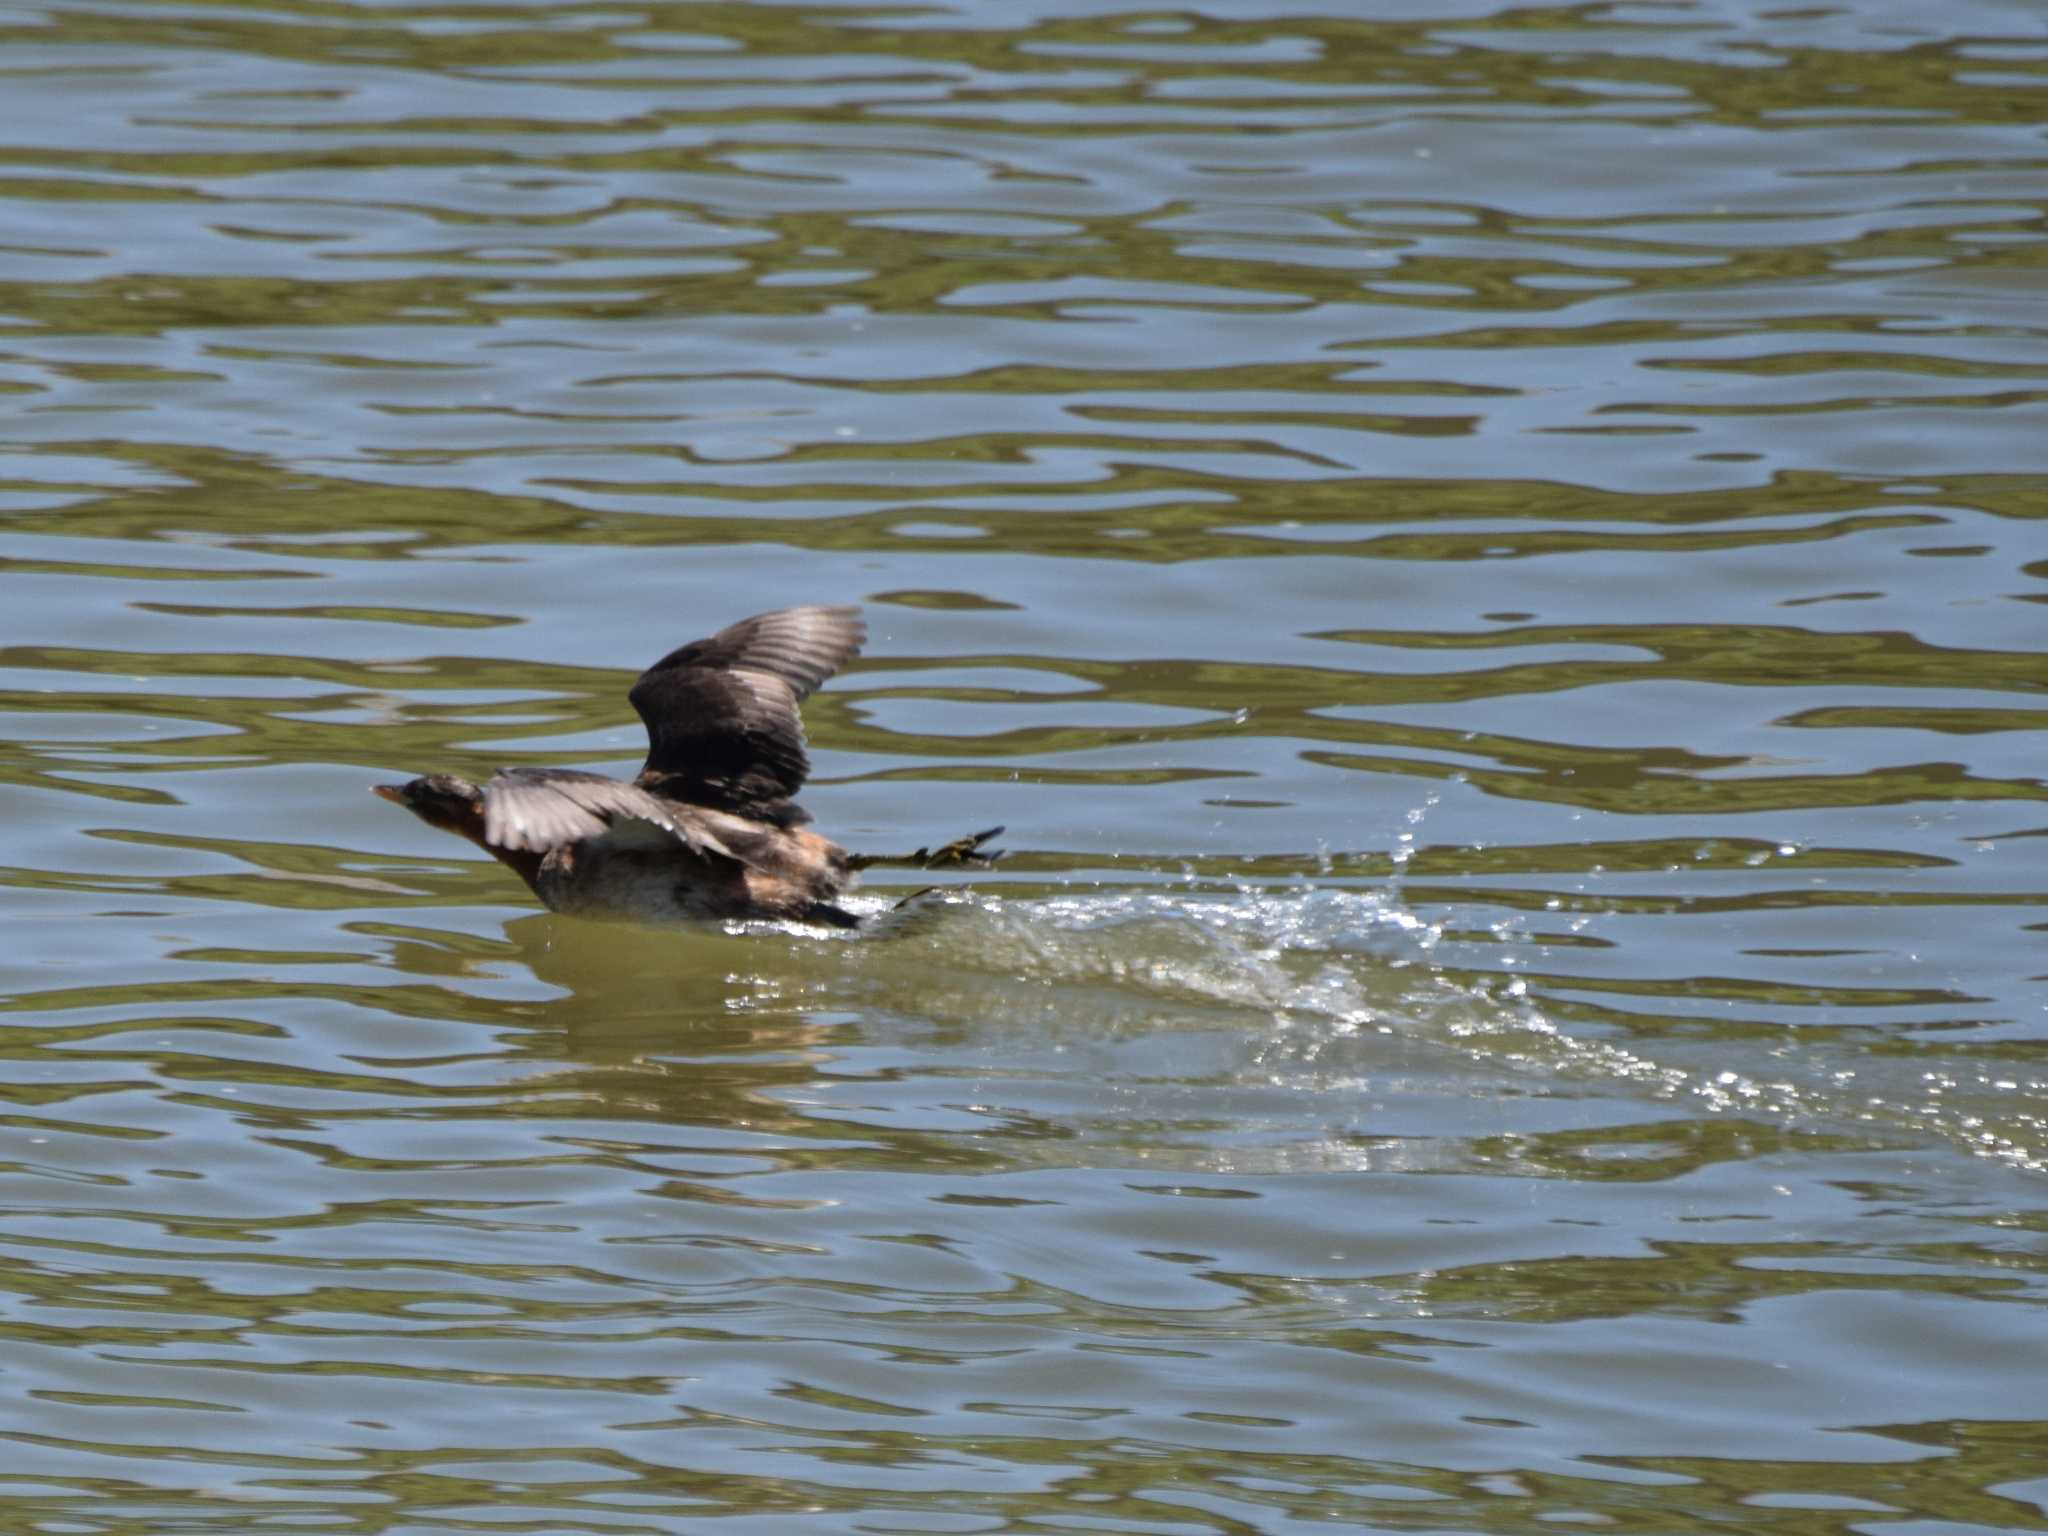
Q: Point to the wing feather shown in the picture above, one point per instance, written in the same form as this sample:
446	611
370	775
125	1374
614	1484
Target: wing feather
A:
540	809
721	713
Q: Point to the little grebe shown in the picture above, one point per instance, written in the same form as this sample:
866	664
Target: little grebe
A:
708	828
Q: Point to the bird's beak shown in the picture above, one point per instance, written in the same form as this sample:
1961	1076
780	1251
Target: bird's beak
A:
395	793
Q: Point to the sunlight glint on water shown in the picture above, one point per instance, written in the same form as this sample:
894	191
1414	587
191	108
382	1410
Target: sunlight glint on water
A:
1490	558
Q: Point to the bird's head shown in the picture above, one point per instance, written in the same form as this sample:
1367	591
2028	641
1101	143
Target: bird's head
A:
440	800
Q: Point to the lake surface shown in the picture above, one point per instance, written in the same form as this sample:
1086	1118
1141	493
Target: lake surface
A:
1493	560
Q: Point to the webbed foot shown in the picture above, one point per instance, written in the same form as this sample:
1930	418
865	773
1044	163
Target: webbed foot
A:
962	853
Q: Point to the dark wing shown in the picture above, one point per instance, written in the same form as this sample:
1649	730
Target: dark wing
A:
721	714
545	808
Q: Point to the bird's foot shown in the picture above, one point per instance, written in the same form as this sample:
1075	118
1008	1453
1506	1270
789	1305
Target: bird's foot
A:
962	853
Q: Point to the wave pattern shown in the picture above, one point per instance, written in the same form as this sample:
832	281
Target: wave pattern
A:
1490	556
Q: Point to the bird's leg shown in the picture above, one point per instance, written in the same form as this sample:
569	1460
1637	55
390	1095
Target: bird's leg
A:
961	853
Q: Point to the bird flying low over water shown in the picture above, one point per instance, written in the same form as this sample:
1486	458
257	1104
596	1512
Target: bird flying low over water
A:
709	827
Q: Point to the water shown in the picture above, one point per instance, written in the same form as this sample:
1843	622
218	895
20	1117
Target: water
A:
1490	558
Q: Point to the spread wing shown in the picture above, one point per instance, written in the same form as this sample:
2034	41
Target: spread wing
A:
721	714
544	808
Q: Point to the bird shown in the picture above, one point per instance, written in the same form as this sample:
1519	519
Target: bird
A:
709	828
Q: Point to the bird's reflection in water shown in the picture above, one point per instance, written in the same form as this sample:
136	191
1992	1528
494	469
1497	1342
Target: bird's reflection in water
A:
624	990
767	1034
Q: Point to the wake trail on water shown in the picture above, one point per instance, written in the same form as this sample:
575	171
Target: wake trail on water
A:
1328	986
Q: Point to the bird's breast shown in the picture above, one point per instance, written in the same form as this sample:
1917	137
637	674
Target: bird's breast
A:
641	885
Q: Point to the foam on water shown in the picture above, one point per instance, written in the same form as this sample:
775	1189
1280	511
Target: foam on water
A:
1317	989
